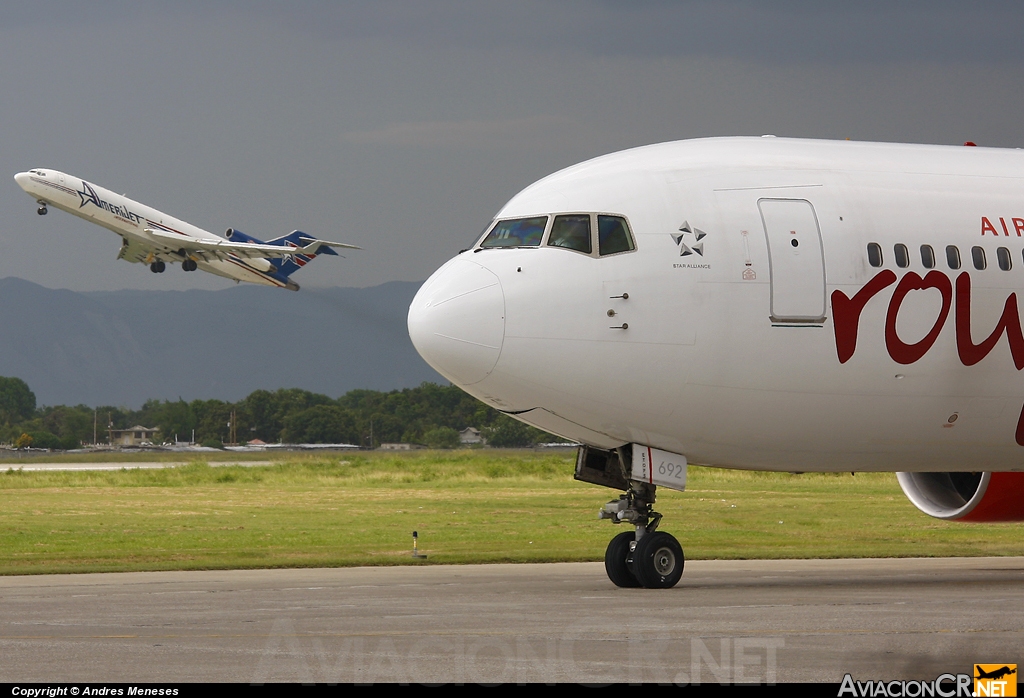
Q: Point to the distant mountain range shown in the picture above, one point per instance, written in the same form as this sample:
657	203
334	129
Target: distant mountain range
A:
121	348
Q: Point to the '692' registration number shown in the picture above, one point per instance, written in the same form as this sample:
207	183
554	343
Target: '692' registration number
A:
659	467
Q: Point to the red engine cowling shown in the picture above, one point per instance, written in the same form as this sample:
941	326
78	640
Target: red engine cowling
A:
978	497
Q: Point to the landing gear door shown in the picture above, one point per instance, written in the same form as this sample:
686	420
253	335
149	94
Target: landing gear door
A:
796	261
657	467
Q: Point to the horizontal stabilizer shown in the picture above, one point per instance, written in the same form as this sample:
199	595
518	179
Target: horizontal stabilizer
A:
298	238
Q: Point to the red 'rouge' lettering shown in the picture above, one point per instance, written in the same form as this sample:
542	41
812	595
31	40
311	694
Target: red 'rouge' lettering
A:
901	352
846	312
986	226
1009	322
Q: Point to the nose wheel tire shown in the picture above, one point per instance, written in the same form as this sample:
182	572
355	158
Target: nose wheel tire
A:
616	561
658	560
41	210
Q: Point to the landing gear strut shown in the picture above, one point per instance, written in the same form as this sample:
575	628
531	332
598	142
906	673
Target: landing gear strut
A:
645	556
42	208
653	559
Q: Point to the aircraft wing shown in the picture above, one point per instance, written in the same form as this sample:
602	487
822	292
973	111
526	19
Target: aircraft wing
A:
220	249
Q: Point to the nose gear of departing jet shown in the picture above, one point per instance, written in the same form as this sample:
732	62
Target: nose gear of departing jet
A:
42	208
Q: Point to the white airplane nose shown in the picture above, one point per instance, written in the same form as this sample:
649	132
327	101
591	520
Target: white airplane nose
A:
457	321
22	178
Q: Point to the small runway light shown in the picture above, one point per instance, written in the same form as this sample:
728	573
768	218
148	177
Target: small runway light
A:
415	550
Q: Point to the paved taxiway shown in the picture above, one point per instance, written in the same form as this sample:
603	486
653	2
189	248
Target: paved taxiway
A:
806	620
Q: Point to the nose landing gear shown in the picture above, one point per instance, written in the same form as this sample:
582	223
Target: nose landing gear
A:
644	557
658	560
42	208
618	560
647	557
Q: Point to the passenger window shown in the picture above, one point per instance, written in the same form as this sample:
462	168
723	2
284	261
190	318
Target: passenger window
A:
927	256
874	254
952	257
572	232
613	235
902	256
978	256
1003	257
518	232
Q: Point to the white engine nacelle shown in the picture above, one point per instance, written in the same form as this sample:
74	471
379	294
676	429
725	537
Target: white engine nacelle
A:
966	496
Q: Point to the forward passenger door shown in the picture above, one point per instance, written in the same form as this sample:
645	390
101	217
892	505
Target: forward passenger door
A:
796	261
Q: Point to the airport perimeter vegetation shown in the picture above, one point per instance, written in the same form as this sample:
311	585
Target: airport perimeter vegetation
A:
429	414
468	506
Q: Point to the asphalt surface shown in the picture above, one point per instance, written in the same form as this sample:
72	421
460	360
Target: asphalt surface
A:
750	621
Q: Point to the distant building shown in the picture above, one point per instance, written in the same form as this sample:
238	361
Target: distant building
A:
138	435
471	436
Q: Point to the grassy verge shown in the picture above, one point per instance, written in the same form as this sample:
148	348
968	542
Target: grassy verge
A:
468	506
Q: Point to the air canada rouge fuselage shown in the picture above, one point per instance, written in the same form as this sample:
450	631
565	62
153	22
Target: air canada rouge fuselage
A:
758	303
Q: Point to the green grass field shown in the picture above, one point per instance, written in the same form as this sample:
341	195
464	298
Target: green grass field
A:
468	507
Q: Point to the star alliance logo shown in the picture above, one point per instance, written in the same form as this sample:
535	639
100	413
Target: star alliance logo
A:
689	240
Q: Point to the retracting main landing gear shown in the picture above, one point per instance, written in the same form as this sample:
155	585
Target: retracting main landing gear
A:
42	208
157	267
187	263
645	556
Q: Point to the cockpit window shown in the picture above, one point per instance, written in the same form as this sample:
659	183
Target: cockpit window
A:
517	232
571	231
613	235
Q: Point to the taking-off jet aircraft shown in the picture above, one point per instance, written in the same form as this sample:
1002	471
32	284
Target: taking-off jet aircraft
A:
154	238
755	303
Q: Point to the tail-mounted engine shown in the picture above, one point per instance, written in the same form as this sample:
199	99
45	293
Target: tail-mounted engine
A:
975	497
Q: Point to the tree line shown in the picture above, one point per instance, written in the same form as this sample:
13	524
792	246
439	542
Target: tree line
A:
431	415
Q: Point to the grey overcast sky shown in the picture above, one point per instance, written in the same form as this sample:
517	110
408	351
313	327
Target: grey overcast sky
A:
403	126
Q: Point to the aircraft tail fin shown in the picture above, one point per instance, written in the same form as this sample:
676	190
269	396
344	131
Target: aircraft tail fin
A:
289	264
286	265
